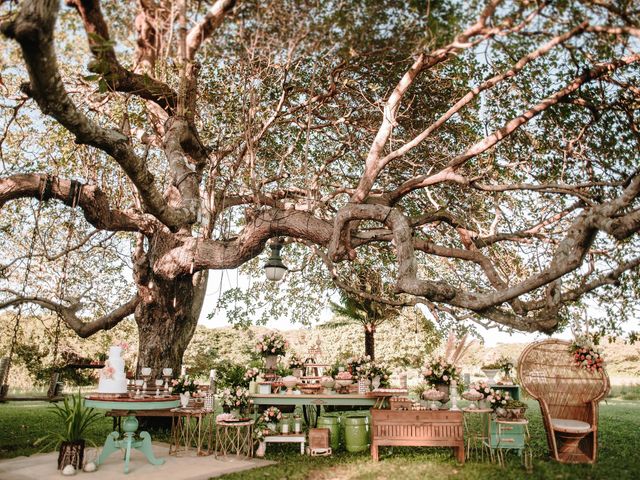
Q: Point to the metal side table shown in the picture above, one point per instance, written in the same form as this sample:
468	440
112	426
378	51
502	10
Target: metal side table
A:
191	428
234	438
477	424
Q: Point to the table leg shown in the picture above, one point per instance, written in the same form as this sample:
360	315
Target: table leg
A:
146	448
110	446
127	452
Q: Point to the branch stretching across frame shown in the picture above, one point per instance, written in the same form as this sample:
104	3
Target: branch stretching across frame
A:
93	202
69	314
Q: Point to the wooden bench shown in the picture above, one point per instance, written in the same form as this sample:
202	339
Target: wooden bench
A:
417	428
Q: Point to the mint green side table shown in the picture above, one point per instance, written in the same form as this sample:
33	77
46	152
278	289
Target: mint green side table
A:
130	425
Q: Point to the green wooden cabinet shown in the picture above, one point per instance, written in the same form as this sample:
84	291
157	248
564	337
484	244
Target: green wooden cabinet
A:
508	435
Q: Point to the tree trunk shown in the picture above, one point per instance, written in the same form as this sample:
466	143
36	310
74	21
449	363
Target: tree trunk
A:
166	322
369	341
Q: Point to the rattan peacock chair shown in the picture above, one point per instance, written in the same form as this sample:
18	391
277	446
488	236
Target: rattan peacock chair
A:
568	397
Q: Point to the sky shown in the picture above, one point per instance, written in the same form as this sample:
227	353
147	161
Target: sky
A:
231	277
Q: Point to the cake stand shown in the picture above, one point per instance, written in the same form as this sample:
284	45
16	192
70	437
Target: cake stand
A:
130	425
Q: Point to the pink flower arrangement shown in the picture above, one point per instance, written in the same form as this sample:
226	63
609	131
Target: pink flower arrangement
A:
271	344
235	399
108	371
498	399
481	387
587	355
272	414
438	371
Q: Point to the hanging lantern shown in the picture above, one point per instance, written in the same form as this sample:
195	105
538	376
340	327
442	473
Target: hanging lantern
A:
274	269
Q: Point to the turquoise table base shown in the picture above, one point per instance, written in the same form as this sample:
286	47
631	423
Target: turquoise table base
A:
114	443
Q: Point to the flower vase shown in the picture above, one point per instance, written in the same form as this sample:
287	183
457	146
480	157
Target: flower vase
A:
253	386
483	404
443	387
184	399
261	450
272	426
270	362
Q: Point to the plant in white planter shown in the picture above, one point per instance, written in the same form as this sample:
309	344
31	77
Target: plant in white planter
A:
75	420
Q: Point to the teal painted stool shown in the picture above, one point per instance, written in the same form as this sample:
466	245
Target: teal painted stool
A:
356	433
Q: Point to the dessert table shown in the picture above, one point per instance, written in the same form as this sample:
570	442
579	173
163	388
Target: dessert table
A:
316	400
130	425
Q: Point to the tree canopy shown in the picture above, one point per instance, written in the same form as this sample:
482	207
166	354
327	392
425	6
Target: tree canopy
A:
483	156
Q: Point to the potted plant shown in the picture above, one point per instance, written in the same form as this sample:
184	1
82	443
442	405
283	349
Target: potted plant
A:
440	372
235	399
490	369
185	387
270	346
75	420
515	409
296	365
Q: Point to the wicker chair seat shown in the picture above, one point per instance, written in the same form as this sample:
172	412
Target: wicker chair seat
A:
570	426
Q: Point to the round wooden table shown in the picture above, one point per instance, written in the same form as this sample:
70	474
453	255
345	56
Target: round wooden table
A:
130	425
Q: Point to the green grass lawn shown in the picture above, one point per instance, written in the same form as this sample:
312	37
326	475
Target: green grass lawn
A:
22	423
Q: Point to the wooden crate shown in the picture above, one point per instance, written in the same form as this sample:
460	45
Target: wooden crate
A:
426	428
400	403
319	438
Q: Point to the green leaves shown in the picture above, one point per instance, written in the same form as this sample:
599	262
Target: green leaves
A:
74	419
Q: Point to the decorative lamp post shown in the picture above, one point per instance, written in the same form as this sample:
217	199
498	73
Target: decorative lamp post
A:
274	269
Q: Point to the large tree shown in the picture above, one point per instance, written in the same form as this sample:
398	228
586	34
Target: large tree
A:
368	313
483	154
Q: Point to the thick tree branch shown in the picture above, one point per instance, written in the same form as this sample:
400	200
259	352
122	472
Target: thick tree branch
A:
195	254
33	30
93	202
69	314
205	28
106	63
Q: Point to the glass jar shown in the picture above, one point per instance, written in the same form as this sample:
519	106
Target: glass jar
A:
297	424
284	425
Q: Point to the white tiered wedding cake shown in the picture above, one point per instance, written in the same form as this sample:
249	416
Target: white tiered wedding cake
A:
112	376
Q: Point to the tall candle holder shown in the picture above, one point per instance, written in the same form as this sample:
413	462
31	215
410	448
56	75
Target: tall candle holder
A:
159	383
139	382
146	376
166	374
453	392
